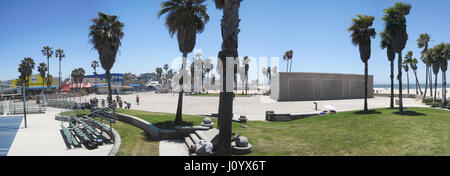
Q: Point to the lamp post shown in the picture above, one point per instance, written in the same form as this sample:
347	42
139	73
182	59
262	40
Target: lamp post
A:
24	104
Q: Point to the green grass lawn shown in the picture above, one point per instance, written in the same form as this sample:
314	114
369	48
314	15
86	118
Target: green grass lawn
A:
417	131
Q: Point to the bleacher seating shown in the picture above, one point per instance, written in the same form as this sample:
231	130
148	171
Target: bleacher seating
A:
87	127
70	138
83	137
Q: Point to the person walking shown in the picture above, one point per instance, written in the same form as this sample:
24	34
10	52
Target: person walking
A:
137	99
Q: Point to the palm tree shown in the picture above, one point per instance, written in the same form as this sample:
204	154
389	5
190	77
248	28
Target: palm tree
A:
395	22
208	67
26	69
406	67
74	75
246	67
264	72
361	34
442	56
159	73
42	69
80	76
47	51
94	65
288	57
436	67
406	63
105	34
192	74
422	42
49	80
428	58
59	53
186	18
413	65
445	58
230	30
386	42
269	75
166	67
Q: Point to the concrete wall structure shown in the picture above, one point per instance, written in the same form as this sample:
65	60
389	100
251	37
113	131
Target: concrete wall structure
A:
300	86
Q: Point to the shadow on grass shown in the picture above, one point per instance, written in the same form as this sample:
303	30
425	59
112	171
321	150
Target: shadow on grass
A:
168	125
368	112
409	113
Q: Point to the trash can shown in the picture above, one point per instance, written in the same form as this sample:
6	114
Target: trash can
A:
269	115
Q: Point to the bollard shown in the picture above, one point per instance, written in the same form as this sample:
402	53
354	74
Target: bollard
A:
315	103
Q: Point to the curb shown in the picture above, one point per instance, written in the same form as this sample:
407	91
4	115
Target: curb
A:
116	146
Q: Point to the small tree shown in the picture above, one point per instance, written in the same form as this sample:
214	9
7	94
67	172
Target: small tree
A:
42	69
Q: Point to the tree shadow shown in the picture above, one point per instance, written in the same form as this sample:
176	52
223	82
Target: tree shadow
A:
368	112
409	113
168	125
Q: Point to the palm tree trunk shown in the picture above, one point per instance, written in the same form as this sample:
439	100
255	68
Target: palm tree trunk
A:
426	84
407	80
366	72
178	117
43	85
444	91
290	68
287	65
431	80
435	88
95	80
230	30
418	83
246	84
108	78
392	84
48	70
59	88
400	87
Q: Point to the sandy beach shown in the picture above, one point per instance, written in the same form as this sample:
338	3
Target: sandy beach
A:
383	91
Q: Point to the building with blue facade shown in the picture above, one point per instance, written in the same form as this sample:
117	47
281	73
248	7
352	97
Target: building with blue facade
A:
100	79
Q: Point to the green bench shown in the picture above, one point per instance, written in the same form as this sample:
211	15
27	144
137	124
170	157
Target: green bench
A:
81	134
89	128
70	138
99	124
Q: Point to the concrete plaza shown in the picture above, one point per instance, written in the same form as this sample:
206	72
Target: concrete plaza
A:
42	137
253	107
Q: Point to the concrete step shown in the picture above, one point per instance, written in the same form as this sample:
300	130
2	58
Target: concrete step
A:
188	142
194	137
207	135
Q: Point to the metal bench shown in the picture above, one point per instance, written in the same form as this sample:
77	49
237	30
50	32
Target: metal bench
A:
99	124
70	138
87	127
84	138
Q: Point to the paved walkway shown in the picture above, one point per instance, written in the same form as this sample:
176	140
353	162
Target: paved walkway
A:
173	148
42	137
253	107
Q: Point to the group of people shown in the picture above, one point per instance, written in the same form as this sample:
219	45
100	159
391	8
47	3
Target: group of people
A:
121	103
94	102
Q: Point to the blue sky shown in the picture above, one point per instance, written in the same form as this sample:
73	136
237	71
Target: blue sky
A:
315	30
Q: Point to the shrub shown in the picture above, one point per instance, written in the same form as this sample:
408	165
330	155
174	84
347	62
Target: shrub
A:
436	104
428	100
